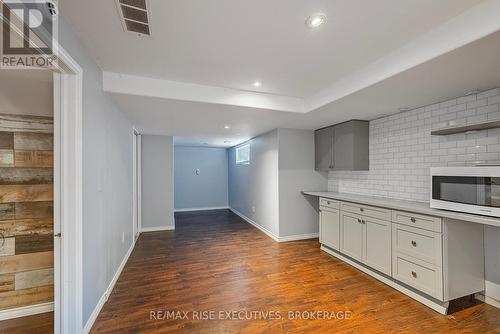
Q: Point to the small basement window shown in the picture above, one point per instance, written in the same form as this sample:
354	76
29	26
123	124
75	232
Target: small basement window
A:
243	154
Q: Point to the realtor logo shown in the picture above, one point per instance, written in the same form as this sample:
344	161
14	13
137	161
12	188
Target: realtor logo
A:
29	30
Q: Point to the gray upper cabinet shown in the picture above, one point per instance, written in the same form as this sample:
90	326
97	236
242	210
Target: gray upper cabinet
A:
323	142
342	147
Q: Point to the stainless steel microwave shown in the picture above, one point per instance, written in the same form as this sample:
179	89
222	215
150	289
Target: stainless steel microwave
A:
466	189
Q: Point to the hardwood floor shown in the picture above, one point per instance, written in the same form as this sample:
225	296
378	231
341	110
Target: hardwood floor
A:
34	324
214	261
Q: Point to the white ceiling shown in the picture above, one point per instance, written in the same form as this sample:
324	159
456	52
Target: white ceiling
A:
231	43
475	66
194	74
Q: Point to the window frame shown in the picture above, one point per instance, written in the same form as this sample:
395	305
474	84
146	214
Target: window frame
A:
238	160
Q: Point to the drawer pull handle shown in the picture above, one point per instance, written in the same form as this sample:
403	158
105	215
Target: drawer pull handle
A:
361	209
414	274
413	219
328	202
414	243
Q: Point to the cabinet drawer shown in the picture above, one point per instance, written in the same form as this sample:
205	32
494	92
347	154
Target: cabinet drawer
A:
425	278
421	221
368	211
418	243
328	203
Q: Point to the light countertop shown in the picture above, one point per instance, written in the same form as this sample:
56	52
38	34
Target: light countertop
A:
404	205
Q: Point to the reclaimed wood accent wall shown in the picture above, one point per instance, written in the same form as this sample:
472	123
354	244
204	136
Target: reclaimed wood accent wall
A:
26	211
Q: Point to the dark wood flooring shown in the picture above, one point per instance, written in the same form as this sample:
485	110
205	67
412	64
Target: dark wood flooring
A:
216	262
34	324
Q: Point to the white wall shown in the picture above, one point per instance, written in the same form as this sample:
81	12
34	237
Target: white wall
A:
402	150
298	214
107	178
206	190
157	182
256	185
281	166
27	92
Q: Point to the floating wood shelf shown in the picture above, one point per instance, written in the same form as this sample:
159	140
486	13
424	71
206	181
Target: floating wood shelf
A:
467	128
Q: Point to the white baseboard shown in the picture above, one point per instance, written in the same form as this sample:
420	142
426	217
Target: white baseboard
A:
488	300
438	307
158	228
491	294
271	234
299	237
202	209
26	311
107	293
251	222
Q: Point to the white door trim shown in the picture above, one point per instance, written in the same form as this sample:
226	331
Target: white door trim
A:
137	184
68	195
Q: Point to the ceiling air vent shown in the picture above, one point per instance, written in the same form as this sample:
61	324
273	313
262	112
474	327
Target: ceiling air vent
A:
135	16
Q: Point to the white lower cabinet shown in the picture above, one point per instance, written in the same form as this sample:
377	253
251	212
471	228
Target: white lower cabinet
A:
367	240
351	231
329	228
377	250
432	256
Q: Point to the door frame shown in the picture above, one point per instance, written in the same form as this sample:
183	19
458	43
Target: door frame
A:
137	210
68	190
68	195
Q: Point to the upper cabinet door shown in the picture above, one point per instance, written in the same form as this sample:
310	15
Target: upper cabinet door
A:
343	146
323	142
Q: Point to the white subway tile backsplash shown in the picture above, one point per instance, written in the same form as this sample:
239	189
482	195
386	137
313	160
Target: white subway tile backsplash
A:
488	93
402	149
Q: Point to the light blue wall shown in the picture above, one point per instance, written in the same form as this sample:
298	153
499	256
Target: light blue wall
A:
157	153
209	188
253	188
107	178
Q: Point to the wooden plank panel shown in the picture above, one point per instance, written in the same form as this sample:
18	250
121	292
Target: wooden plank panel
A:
22	123
26	193
27	210
34	243
14	175
16	263
18	298
13	228
24	158
6	140
7	246
7	282
7	211
34	278
6	158
33	141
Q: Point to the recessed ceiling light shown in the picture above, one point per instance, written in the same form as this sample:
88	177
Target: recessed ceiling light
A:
227	126
257	84
227	141
316	20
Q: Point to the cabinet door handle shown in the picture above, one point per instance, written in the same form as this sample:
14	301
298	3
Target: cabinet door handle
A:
328	202
359	220
361	209
413	219
414	274
414	243
363	221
